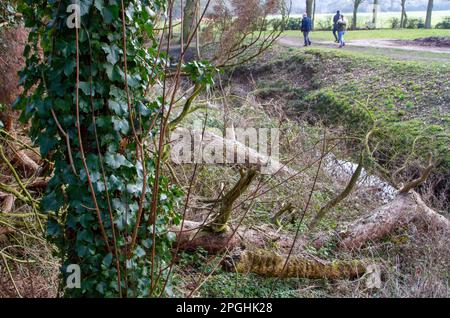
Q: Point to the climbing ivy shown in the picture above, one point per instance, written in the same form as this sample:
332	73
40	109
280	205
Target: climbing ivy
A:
95	194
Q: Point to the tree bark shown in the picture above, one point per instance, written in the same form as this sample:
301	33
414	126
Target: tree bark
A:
403	210
375	12
404	17
226	206
429	14
356	4
189	19
309	8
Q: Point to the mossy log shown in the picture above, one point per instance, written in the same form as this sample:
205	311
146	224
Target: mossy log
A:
269	264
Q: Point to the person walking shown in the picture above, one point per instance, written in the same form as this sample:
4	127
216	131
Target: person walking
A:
306	28
336	18
342	28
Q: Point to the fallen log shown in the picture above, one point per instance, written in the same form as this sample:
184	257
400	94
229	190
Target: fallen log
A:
263	262
269	264
189	146
195	235
405	209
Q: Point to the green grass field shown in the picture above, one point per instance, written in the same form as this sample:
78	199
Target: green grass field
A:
404	34
384	18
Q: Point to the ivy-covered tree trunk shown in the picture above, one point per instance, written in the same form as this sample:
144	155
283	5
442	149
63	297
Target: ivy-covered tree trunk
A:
90	117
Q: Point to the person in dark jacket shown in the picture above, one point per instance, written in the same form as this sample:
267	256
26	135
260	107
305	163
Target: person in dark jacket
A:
306	28
335	25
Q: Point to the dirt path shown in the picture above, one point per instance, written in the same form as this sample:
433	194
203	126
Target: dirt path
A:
371	44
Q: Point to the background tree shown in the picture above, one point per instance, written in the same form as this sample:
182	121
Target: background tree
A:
376	3
189	17
309	8
356	4
429	14
404	17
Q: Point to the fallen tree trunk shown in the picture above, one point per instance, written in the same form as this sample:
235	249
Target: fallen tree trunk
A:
262	262
268	264
406	208
195	235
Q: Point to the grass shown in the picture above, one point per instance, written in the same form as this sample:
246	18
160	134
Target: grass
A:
404	34
409	98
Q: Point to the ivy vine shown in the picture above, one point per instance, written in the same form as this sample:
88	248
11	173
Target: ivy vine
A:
86	100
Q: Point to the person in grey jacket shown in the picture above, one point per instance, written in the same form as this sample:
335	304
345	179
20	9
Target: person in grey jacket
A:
335	25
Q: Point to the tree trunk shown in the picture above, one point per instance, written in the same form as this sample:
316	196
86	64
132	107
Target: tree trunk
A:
403	210
375	12
313	14
197	33
404	17
356	4
309	8
429	14
189	19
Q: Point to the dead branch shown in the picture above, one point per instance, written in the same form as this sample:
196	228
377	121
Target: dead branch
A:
5	230
38	184
8	203
341	196
423	177
286	208
226	205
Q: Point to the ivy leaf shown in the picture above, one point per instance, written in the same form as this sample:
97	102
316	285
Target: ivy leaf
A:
113	72
116	161
46	144
69	67
140	252
118	108
99	4
121	125
107	260
86	88
110	13
85	6
112	53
